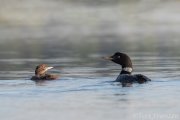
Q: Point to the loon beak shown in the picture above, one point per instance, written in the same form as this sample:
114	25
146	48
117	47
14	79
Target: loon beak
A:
108	58
48	68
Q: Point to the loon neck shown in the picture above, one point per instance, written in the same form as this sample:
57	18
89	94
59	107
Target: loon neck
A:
126	70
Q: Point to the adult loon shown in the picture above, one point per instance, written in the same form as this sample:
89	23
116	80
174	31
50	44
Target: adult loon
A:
40	73
125	77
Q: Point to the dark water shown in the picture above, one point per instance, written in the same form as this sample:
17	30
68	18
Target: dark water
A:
72	37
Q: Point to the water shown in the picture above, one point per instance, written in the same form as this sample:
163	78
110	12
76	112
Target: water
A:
73	37
86	91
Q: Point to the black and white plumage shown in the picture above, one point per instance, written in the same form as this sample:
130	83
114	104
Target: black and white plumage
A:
125	77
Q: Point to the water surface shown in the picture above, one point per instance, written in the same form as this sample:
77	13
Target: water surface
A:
86	91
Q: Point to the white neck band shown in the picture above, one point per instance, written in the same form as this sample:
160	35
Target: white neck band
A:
127	69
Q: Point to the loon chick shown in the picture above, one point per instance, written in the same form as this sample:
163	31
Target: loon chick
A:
40	73
125	76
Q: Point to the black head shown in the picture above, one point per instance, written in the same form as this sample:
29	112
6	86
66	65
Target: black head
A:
121	59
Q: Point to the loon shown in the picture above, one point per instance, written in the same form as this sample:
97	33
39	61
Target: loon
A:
40	73
125	76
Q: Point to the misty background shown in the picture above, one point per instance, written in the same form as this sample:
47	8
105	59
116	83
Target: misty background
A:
31	28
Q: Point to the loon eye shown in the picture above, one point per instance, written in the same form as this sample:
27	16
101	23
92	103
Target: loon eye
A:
119	57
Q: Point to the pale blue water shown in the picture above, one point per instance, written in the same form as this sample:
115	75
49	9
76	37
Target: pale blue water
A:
86	91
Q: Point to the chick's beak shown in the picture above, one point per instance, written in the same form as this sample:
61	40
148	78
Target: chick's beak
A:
48	68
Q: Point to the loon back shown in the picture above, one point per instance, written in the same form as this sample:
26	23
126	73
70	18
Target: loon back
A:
128	78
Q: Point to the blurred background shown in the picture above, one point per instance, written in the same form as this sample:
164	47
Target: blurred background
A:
34	30
31	28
